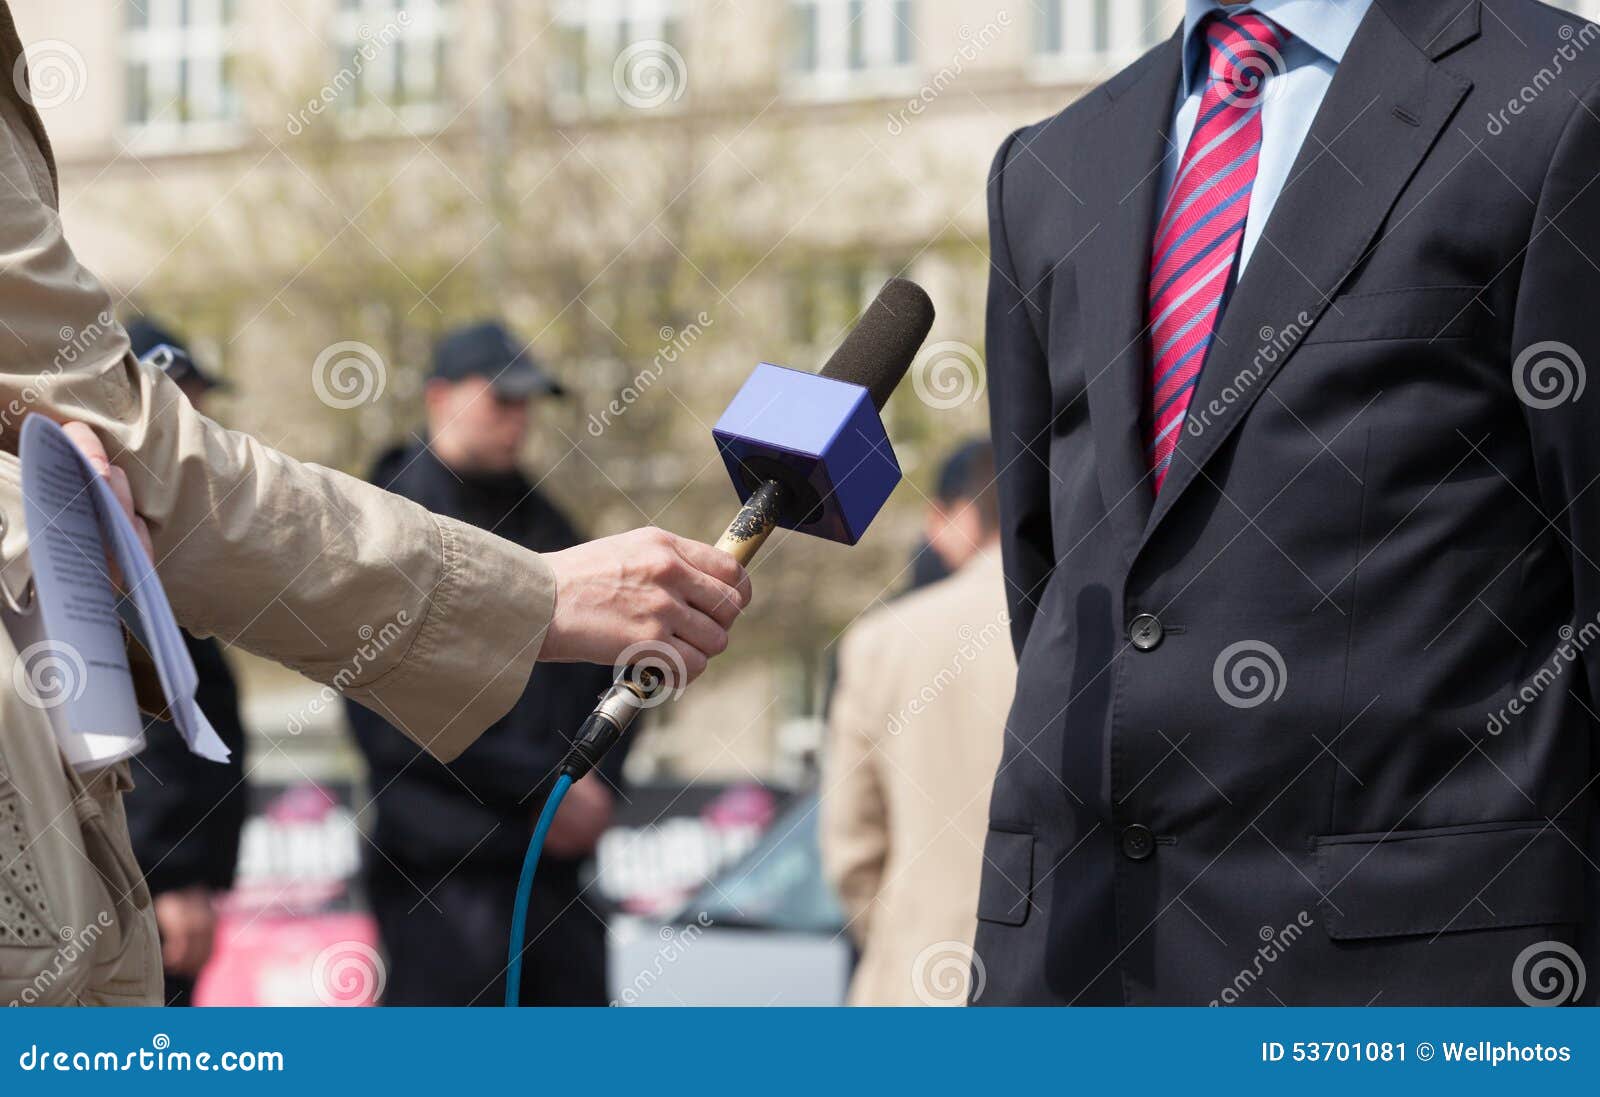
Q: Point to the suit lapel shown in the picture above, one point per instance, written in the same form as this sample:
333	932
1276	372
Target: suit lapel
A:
1383	111
1118	182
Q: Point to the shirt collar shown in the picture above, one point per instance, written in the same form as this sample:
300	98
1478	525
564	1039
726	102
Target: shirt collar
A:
1326	26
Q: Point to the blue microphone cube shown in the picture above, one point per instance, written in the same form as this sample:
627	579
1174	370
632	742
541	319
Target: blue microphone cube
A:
821	439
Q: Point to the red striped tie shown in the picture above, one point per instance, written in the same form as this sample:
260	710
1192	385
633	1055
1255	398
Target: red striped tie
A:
1197	241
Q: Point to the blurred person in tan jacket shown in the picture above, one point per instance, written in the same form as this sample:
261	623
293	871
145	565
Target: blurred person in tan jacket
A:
914	736
292	561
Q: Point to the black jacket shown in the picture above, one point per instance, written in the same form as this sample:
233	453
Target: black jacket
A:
185	814
479	809
1381	496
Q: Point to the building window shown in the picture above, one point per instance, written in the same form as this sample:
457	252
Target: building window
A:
392	55
181	60
843	48
1087	36
618	54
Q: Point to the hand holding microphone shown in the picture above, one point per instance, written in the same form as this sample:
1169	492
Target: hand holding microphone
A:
644	586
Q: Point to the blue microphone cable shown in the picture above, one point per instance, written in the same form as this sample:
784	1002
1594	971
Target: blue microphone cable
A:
598	734
632	691
530	865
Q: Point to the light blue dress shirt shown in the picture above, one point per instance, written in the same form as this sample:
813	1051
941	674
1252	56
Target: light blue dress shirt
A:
1321	31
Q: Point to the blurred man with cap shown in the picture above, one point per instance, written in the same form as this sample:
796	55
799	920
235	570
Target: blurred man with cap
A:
448	840
915	730
185	814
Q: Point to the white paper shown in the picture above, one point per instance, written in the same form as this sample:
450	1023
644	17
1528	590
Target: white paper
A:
73	521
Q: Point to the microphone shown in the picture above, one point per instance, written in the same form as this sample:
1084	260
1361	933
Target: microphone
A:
805	451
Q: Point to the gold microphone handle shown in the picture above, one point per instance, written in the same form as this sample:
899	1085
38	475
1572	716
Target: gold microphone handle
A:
756	519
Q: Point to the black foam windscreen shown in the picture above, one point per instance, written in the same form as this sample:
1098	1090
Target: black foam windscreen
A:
881	347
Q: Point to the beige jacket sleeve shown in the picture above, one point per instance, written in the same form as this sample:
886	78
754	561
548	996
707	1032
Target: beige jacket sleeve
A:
359	589
854	824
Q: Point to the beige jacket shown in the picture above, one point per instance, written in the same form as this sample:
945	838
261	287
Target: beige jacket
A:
431	621
914	736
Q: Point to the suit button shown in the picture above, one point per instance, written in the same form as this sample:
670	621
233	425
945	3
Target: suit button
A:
1138	842
1145	632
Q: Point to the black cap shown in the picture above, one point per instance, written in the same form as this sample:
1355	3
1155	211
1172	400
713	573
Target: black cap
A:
487	349
161	348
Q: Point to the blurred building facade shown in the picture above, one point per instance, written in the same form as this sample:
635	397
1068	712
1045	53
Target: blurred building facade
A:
658	193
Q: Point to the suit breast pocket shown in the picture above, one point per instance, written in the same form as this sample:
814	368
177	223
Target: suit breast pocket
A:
1424	313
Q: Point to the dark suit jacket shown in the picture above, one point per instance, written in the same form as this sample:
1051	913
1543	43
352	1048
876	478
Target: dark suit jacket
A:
1380	497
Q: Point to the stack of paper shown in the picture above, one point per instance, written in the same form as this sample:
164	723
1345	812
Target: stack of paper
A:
72	655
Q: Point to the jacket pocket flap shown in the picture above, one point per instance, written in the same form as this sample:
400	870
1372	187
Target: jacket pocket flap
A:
1007	889
1448	879
1425	312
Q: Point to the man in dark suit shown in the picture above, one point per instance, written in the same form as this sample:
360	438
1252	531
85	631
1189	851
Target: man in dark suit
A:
1287	332
448	840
